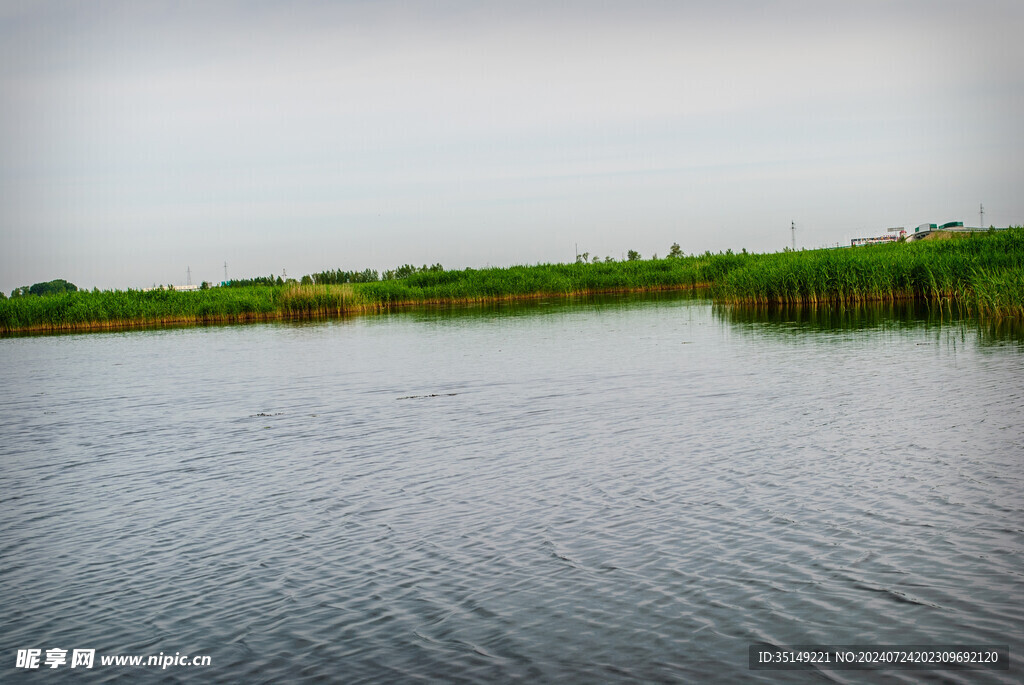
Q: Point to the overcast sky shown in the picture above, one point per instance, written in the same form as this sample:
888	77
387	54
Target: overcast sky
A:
138	138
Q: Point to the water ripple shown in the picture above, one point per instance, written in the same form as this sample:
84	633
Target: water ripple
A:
586	505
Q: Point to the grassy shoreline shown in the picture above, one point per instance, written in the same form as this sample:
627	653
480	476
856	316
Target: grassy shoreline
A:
982	274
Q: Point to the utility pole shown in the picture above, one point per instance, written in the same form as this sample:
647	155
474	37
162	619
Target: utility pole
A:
225	272
981	217
792	227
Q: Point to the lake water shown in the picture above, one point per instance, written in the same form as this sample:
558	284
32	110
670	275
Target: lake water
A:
635	489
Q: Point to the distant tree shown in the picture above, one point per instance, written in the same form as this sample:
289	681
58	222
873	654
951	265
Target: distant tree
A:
608	260
53	287
307	280
249	282
2	295
205	285
632	256
654	256
596	259
339	276
403	271
675	250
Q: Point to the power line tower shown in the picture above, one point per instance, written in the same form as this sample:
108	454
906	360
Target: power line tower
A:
189	277
792	228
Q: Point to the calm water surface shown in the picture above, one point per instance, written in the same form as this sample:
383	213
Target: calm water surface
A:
635	490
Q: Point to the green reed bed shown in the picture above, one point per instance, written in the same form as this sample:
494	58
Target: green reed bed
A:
981	272
997	294
117	309
479	285
321	301
126	308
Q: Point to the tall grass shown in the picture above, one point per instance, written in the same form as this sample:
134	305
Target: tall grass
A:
981	273
127	308
477	285
996	294
117	309
320	301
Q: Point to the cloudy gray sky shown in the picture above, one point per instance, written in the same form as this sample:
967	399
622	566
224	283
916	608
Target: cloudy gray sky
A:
141	138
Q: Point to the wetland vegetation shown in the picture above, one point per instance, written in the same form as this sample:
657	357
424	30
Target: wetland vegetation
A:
981	274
